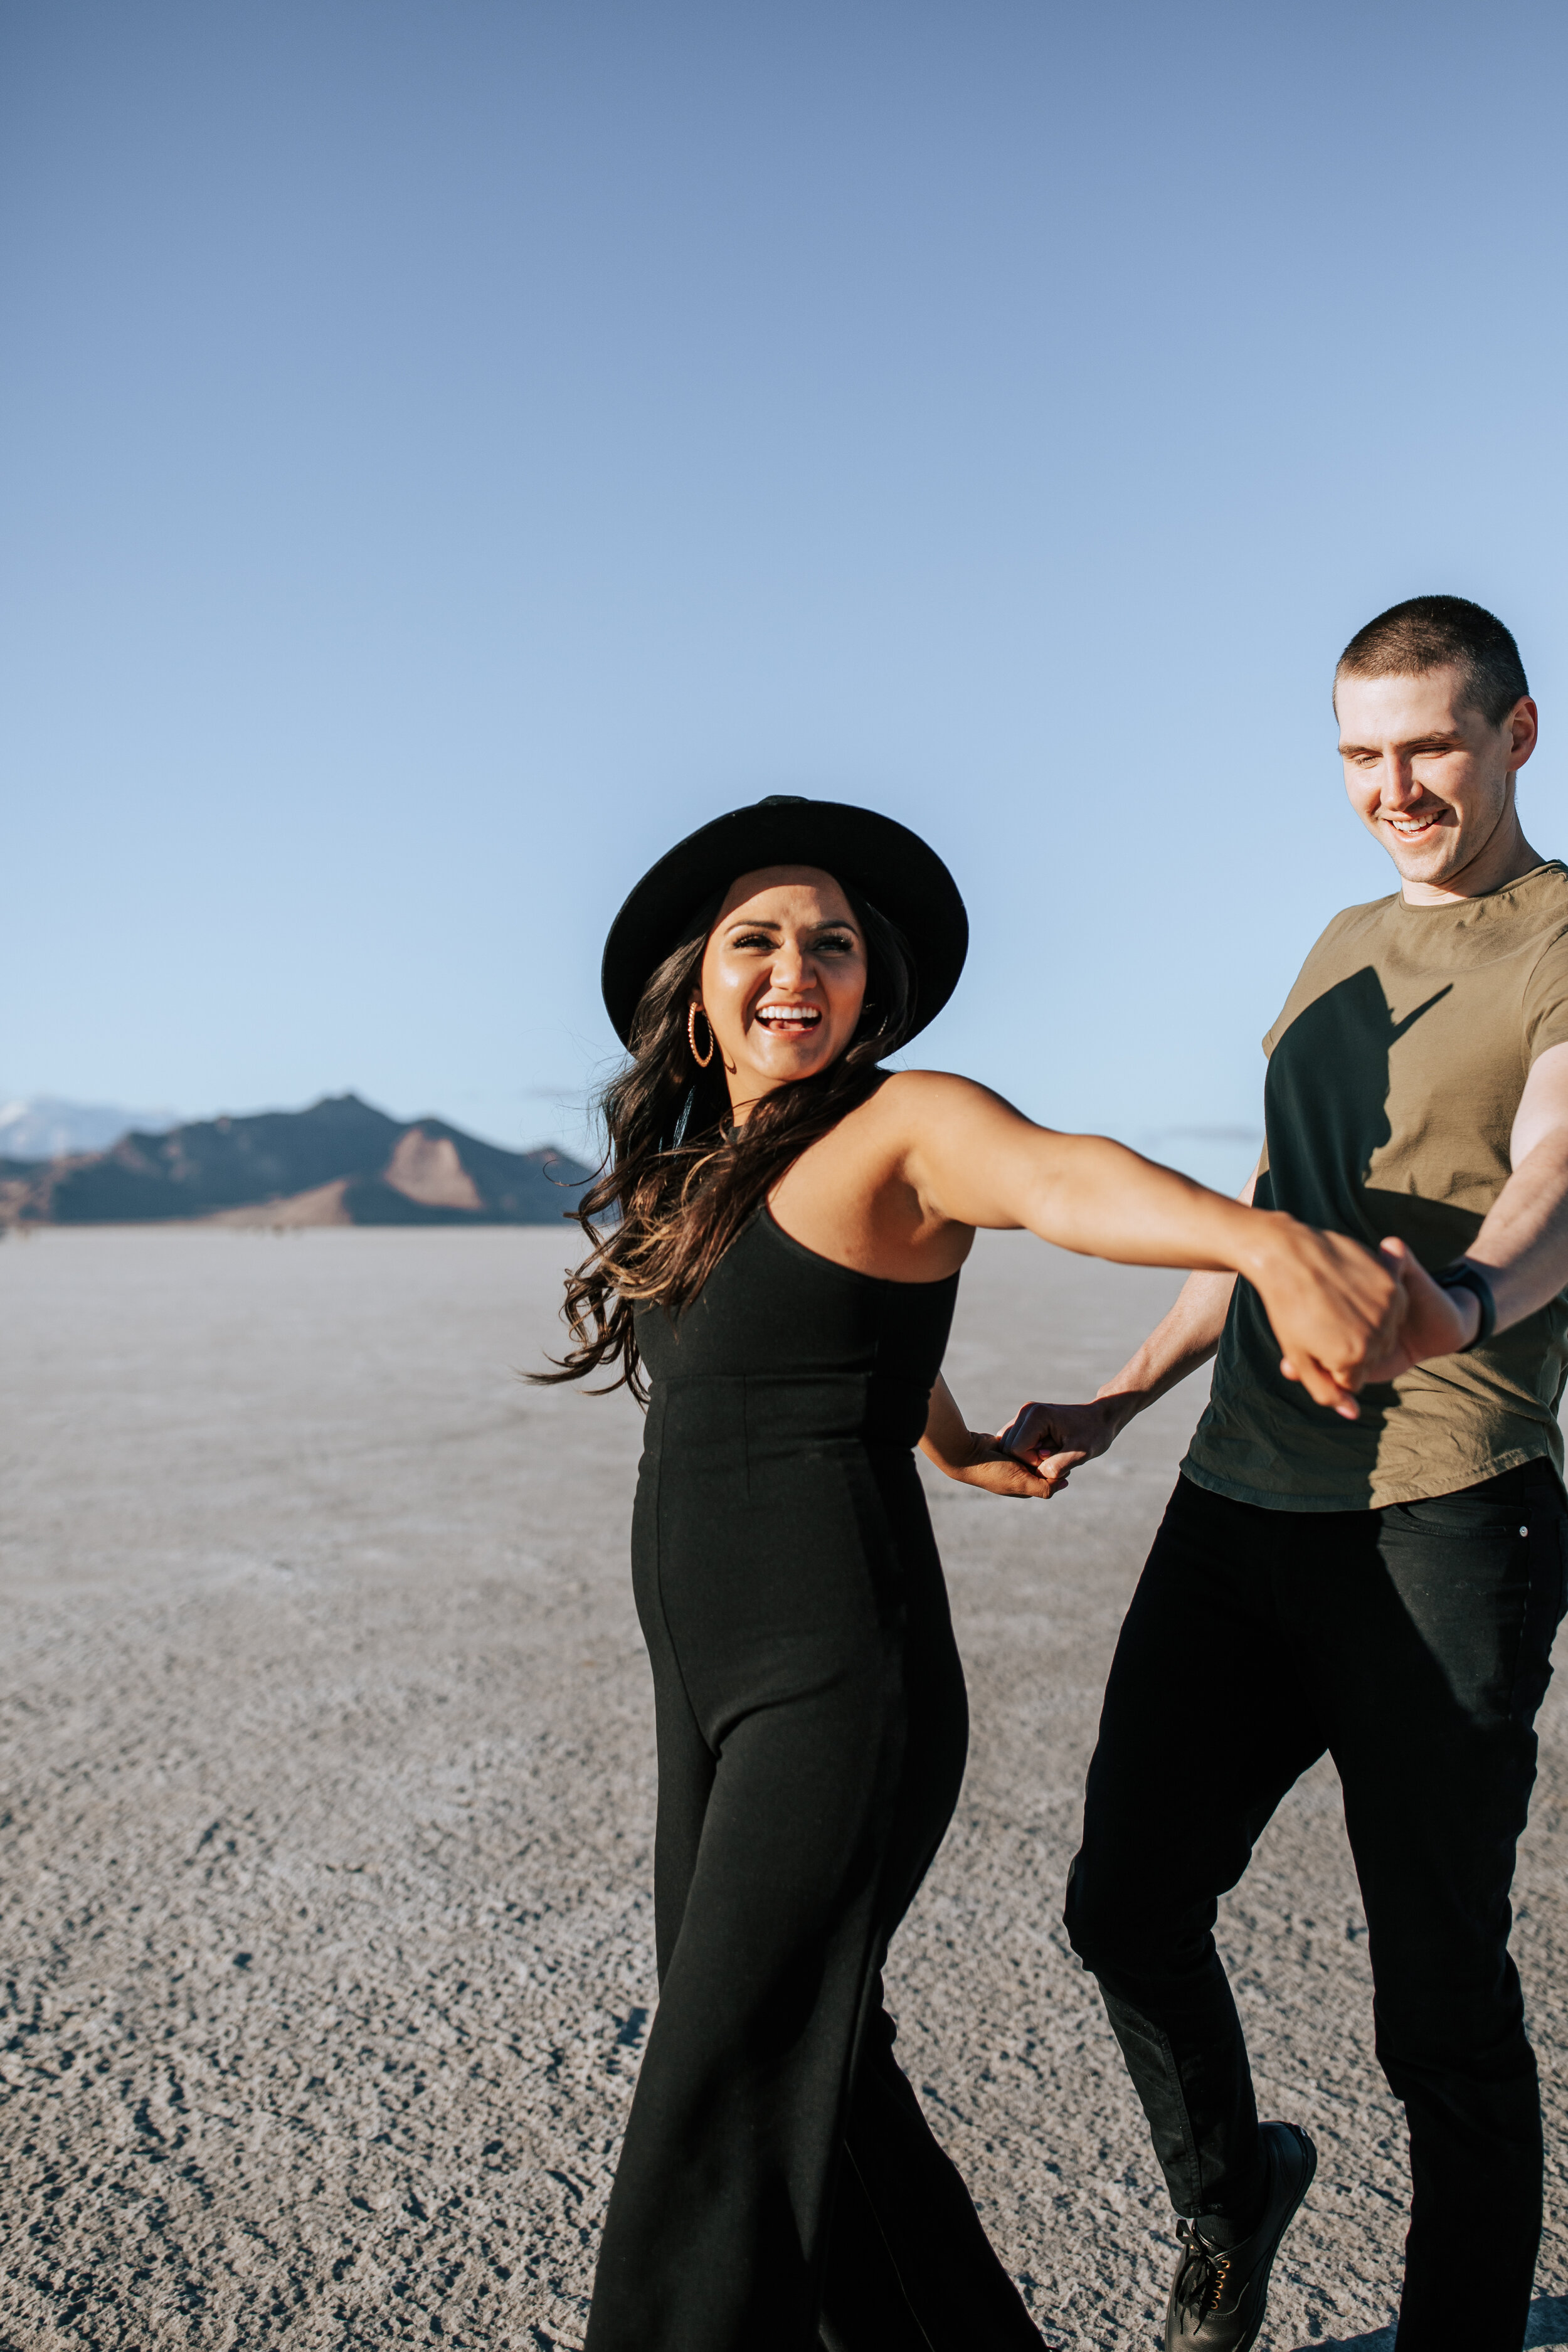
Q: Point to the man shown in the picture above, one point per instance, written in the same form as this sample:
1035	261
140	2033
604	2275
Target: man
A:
1385	1588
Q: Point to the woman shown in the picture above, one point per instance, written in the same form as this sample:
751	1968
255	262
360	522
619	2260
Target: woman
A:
788	1224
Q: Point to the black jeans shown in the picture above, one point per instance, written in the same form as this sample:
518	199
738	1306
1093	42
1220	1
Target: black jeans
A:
1413	1644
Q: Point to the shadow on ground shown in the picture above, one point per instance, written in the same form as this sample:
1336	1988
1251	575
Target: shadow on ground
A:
1548	2325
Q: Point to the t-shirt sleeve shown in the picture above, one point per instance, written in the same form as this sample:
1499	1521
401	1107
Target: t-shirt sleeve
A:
1546	1000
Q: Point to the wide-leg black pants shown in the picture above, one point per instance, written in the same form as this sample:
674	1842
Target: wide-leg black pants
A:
1414	1644
779	2185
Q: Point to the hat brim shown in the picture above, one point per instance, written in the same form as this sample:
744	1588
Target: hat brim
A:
902	875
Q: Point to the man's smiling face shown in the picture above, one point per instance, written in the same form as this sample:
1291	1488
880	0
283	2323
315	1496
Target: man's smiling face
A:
1428	773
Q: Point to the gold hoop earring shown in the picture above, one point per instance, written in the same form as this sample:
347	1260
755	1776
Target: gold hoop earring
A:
702	1060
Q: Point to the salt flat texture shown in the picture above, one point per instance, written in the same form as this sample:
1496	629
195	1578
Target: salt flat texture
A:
327	1800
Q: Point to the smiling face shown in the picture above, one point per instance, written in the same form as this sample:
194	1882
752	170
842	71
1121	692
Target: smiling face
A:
1432	778
783	978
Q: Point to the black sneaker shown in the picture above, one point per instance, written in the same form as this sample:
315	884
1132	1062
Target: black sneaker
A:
1219	2294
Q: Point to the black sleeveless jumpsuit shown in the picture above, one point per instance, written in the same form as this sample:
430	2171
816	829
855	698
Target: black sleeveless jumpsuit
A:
778	2185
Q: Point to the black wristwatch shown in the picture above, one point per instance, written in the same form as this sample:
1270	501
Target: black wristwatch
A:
1463	1276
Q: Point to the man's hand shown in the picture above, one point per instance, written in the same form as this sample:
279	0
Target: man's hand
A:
1438	1322
1056	1437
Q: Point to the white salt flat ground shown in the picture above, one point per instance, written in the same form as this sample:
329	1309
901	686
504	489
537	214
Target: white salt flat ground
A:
325	1799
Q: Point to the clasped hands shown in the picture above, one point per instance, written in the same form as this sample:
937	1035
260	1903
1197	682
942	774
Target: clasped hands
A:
1351	1320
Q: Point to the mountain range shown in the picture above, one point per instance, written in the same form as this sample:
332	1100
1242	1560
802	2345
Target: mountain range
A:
341	1162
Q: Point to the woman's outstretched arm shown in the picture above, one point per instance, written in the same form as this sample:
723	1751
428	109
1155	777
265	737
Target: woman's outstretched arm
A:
1336	1310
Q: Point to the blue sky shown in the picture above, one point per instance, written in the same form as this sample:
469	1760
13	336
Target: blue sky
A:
452	449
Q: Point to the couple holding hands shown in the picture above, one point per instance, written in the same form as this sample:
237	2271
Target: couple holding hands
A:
1364	1553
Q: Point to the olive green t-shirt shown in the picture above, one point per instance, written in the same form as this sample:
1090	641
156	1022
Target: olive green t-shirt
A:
1395	1072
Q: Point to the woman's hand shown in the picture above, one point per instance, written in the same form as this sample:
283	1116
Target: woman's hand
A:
962	1453
986	1462
1336	1310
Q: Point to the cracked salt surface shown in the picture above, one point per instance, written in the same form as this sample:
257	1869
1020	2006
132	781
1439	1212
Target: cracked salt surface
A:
327	1794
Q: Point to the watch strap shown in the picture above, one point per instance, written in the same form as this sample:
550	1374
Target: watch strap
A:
1462	1275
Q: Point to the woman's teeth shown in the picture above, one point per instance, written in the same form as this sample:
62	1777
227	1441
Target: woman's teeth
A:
788	1017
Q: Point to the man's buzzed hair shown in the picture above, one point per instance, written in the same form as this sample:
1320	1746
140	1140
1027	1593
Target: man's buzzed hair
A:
1428	633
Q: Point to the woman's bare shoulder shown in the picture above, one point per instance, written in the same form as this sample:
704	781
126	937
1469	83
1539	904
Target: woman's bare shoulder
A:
920	1094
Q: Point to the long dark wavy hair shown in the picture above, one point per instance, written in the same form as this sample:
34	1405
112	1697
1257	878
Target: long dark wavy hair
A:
677	1181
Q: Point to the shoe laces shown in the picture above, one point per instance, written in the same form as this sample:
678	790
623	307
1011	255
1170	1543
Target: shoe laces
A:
1202	2279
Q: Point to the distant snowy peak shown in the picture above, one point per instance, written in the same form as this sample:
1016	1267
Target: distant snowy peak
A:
43	1126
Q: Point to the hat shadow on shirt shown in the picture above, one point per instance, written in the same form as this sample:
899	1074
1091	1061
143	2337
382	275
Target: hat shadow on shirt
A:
1326	1115
1326	1112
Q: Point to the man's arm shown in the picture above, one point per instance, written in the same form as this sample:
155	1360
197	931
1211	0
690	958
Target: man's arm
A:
1522	1245
1056	1437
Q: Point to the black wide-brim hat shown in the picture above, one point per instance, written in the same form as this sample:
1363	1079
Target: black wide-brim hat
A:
902	875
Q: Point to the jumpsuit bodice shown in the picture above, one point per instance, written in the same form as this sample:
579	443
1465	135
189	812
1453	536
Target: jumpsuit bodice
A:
810	1351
